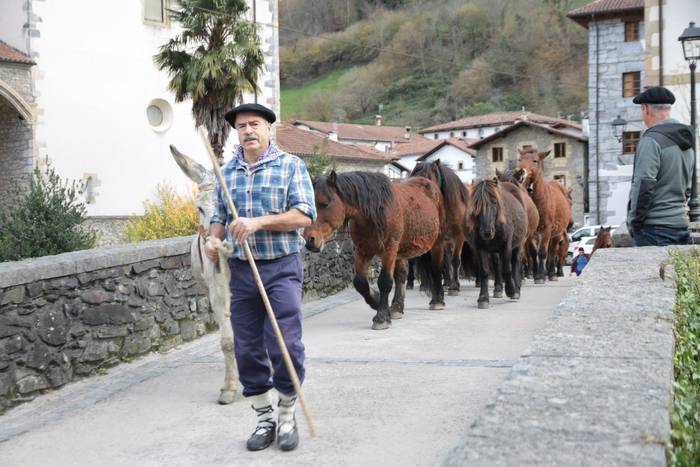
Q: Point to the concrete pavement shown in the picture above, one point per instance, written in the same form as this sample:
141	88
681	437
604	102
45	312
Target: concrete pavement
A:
404	396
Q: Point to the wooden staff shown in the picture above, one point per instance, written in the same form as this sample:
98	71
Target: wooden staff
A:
270	314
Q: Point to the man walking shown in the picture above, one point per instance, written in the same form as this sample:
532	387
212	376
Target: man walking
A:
273	194
663	169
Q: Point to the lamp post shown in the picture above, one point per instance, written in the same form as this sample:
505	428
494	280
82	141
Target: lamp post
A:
690	39
618	127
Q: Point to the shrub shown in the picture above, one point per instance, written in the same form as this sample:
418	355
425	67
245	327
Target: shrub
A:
169	215
684	446
44	220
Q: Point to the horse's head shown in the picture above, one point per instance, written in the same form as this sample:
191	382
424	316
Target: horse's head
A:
604	238
531	162
205	184
516	176
330	213
431	170
487	209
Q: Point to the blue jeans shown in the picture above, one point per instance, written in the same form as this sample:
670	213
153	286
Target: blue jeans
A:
658	235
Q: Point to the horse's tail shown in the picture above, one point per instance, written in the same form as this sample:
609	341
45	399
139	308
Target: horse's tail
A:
424	270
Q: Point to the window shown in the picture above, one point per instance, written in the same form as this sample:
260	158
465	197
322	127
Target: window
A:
436	136
460	165
154	10
561	179
526	147
452	133
497	154
631	83
630	139
559	150
631	31
464	134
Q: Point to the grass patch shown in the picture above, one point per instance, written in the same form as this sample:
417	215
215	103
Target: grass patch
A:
684	446
293	100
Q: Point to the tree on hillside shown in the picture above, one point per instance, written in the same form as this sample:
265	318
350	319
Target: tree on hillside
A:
215	59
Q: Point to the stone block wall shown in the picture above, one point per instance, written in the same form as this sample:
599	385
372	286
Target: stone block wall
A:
16	163
69	316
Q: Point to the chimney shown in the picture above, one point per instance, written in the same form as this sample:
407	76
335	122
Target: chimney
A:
378	120
408	133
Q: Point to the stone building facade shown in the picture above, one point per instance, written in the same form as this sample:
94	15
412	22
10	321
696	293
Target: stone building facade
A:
500	151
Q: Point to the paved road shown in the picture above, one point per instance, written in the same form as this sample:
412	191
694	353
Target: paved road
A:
404	396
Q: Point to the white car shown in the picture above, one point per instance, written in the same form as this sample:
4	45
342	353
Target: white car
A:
587	231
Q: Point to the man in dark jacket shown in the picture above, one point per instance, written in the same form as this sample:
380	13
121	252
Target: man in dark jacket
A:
663	169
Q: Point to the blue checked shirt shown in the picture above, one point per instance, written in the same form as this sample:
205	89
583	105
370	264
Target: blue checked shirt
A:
275	184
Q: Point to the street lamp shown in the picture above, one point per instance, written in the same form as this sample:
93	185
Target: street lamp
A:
690	39
619	127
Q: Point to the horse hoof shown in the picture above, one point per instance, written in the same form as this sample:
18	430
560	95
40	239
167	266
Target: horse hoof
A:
482	305
453	293
539	281
560	274
437	306
553	278
381	326
409	286
498	294
516	296
226	397
396	314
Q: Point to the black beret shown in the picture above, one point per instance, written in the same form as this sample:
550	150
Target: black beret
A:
655	95
266	113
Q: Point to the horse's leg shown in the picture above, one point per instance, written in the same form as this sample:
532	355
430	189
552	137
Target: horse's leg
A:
411	273
483	260
508	269
542	257
437	301
362	285
400	291
517	272
453	289
382	320
497	275
563	249
552	256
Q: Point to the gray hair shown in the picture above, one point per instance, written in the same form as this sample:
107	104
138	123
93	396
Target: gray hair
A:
661	107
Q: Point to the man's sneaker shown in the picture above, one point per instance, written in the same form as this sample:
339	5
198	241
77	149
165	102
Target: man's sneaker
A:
288	436
262	437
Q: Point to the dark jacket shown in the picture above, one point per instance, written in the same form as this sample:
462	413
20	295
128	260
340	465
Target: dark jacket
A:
661	181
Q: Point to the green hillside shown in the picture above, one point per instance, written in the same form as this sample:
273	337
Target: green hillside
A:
293	100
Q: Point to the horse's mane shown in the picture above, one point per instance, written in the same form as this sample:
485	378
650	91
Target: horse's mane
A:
509	176
368	192
486	195
451	187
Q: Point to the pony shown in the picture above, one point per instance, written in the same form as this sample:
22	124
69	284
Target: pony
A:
515	178
554	207
497	223
392	220
456	200
603	239
213	277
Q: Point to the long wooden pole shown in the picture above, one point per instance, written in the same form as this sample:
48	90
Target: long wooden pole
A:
261	287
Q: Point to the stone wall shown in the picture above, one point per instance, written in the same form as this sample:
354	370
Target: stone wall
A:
110	230
68	316
571	166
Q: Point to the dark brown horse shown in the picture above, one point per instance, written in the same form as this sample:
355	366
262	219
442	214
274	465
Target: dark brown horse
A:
554	207
516	177
497	226
603	239
456	200
392	220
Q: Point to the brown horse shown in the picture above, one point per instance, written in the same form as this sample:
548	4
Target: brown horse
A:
603	239
456	200
392	220
497	226
554	207
515	177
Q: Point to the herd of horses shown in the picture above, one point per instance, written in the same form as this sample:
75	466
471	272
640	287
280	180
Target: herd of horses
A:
507	227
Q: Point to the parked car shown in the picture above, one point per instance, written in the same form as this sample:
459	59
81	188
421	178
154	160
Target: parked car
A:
587	231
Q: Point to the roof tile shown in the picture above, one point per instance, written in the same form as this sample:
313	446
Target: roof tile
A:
304	143
12	55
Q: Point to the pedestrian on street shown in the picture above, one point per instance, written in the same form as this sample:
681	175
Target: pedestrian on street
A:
273	194
657	212
580	262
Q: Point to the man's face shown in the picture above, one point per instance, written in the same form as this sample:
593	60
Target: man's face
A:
253	131
646	115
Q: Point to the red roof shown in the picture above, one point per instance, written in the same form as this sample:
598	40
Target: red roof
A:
568	132
499	118
305	143
12	55
361	132
605	9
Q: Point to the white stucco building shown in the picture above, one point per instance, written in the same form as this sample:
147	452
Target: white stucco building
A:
100	109
454	153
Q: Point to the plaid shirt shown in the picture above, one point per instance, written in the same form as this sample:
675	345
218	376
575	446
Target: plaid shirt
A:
276	183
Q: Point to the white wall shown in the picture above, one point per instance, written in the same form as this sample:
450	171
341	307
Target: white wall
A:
94	79
451	157
13	16
475	133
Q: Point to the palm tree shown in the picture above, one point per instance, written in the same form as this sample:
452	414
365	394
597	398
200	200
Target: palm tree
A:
215	59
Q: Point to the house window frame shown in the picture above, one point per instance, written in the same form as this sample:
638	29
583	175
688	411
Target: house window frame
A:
500	154
165	5
561	155
460	165
630	139
559	178
636	83
632	29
